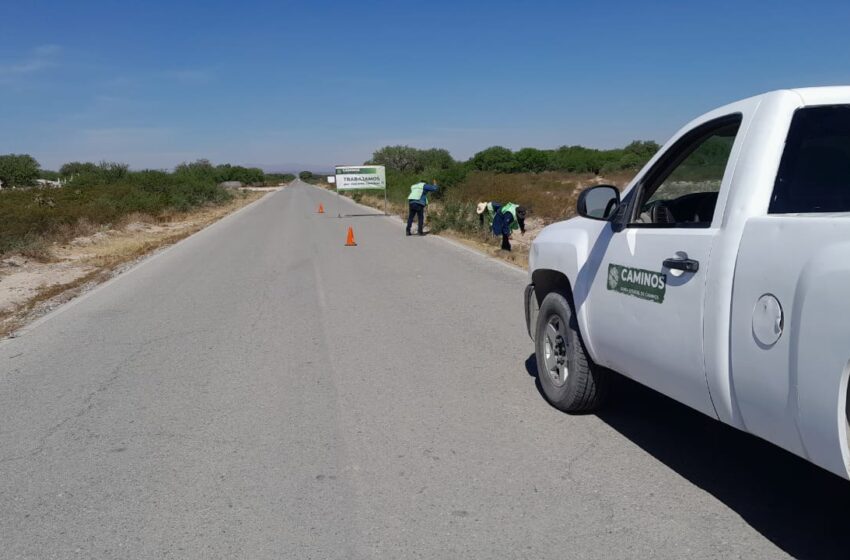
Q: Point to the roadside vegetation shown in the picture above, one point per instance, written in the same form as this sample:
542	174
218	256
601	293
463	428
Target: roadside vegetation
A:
546	182
100	195
500	171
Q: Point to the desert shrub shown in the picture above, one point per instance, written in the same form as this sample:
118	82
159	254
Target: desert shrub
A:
456	216
246	175
277	178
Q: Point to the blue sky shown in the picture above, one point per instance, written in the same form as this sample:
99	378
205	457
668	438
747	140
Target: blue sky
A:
317	83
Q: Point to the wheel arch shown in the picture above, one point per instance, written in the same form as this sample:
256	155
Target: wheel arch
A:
547	281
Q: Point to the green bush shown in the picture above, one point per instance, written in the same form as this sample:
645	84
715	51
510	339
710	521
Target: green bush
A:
531	160
495	158
18	170
405	159
203	170
73	168
246	175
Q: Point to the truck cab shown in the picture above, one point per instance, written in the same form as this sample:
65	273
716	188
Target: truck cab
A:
716	277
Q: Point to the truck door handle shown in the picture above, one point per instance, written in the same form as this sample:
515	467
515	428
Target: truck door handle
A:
686	265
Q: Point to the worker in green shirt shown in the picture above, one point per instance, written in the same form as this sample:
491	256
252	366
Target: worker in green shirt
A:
417	200
506	219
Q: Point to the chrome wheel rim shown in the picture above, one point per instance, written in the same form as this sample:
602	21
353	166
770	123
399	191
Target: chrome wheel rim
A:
555	351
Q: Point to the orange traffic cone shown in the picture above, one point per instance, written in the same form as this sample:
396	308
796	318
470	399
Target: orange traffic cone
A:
349	242
321	209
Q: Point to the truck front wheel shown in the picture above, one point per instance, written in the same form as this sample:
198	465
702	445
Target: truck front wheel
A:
567	376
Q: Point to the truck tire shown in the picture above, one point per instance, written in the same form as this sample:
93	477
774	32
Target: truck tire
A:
567	376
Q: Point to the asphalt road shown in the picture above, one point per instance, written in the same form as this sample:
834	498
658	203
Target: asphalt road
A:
261	391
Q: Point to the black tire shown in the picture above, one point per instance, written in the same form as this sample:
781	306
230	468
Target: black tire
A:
569	379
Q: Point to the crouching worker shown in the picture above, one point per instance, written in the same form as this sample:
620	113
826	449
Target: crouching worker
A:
417	201
506	219
488	210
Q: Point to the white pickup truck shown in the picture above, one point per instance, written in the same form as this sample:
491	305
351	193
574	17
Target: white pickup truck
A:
720	277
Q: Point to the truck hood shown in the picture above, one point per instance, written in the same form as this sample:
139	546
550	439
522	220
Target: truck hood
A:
563	245
556	231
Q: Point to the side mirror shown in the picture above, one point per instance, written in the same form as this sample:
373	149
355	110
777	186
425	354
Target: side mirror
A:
599	202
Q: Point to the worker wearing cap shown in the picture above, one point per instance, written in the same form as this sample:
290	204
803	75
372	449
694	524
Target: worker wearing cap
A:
506	219
489	210
417	201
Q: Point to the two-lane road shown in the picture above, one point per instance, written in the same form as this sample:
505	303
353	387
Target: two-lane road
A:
261	391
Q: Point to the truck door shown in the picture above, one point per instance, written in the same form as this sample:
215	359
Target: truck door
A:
790	337
645	317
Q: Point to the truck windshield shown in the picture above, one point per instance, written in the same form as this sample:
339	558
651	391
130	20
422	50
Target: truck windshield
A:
814	175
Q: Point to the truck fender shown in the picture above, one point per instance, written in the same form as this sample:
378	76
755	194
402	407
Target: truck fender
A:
819	359
565	257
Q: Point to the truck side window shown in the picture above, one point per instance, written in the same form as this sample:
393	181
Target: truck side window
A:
814	174
681	189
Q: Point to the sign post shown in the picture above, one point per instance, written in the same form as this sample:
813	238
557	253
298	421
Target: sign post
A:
361	177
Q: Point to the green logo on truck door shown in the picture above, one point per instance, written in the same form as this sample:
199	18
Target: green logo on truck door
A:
643	284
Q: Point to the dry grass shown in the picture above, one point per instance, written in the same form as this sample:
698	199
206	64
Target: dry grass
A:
126	246
139	234
50	293
550	196
37	249
490	246
142	218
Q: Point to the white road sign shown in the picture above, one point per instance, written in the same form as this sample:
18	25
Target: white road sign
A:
361	177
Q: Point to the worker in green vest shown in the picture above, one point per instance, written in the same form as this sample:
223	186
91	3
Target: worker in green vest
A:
417	201
508	218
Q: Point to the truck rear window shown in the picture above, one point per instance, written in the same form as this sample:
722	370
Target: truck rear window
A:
814	175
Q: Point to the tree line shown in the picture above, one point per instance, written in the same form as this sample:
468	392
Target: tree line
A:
22	170
406	165
575	159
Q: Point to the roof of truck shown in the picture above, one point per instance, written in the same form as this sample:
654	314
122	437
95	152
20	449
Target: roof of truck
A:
826	95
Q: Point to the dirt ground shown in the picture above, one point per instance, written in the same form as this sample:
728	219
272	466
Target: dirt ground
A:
30	288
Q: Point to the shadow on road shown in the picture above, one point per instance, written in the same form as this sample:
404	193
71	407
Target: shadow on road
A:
801	508
362	215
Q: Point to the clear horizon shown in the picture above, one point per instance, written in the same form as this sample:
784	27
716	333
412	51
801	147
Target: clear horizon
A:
305	85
